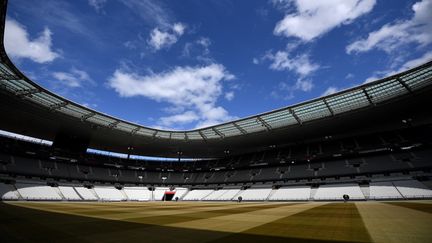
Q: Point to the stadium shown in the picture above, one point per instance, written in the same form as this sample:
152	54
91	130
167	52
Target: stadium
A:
353	166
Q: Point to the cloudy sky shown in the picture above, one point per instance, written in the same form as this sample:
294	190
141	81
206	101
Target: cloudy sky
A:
193	63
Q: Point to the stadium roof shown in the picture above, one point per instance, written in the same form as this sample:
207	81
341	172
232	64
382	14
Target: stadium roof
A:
16	84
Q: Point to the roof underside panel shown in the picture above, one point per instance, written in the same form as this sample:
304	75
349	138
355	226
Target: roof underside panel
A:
229	129
126	127
101	120
74	110
281	118
344	102
210	133
163	135
387	90
178	135
44	99
419	79
145	132
194	136
251	125
312	111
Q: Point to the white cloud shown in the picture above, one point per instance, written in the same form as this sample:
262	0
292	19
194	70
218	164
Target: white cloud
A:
407	65
179	28
73	79
229	95
178	119
303	85
390	37
286	91
314	18
152	12
97	4
255	61
199	50
301	64
195	89
330	90
416	62
163	39
18	44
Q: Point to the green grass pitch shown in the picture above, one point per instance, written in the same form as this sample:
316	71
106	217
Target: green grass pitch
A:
216	222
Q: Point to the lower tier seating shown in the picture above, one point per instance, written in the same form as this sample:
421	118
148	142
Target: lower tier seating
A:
399	188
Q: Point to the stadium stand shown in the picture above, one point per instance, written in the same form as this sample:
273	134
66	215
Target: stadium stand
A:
412	189
291	193
109	194
214	195
137	193
86	194
180	192
336	192
197	195
228	195
255	194
8	192
37	192
69	193
159	193
383	190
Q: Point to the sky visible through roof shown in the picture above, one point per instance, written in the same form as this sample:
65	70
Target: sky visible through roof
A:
188	64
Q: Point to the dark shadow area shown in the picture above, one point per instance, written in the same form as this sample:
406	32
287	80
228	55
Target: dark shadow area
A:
19	224
423	207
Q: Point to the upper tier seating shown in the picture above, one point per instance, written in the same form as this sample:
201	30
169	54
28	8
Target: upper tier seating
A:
336	192
291	193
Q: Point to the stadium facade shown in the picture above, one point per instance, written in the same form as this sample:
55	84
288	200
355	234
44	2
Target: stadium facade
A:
372	141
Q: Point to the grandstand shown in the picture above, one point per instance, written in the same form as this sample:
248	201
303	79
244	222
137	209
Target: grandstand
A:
371	142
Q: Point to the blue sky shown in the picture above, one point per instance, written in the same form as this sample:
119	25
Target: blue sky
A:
192	63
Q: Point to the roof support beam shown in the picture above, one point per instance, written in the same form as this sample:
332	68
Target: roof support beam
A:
218	133
264	123
404	85
368	97
295	116
6	76
239	128
202	135
54	107
328	107
154	134
135	130
186	136
113	125
87	116
26	92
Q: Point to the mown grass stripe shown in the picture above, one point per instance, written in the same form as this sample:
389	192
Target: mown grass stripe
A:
331	222
205	214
